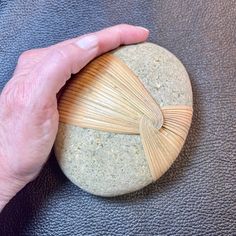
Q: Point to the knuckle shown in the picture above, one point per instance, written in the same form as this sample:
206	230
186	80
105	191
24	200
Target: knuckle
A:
23	56
61	54
62	60
29	54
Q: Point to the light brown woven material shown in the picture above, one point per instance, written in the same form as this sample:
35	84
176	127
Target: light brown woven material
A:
107	96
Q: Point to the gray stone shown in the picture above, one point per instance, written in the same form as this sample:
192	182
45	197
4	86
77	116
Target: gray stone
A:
109	164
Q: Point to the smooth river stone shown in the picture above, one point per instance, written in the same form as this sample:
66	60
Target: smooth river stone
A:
109	164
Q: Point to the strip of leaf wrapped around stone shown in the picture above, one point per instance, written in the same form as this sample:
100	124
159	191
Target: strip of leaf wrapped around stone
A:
106	95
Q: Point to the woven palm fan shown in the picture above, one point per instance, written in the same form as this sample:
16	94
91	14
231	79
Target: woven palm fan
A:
109	97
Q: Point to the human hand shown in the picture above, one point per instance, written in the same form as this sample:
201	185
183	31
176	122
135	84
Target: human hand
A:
28	103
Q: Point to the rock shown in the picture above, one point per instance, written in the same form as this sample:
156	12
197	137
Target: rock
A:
109	164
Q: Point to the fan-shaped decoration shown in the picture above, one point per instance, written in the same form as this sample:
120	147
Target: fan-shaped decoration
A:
108	96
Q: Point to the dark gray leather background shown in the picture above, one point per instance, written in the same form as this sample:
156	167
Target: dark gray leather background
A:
197	196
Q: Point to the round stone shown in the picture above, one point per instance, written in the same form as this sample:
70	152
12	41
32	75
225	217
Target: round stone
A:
110	164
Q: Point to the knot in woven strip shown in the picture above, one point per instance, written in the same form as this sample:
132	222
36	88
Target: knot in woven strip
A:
106	95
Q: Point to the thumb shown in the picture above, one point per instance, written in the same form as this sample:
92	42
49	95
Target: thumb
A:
71	56
60	62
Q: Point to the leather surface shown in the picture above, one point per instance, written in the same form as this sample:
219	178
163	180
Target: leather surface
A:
197	196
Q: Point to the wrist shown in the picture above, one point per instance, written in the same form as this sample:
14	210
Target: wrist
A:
9	186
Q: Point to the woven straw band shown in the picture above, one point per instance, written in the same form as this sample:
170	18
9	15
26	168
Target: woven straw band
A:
106	95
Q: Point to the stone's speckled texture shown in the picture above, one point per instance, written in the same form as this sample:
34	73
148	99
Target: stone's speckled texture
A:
109	164
160	71
102	163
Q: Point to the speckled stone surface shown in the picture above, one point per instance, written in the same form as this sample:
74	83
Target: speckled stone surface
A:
109	164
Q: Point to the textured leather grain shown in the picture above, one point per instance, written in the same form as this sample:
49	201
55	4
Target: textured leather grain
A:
197	196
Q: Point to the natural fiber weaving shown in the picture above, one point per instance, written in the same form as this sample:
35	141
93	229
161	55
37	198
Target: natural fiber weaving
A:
106	95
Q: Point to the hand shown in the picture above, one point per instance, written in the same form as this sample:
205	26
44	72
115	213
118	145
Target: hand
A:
28	103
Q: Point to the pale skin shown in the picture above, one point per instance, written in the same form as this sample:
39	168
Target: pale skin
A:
28	103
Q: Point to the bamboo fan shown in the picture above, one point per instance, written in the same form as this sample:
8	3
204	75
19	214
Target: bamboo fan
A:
106	95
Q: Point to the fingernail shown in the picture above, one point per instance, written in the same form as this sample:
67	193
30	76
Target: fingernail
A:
142	28
87	42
